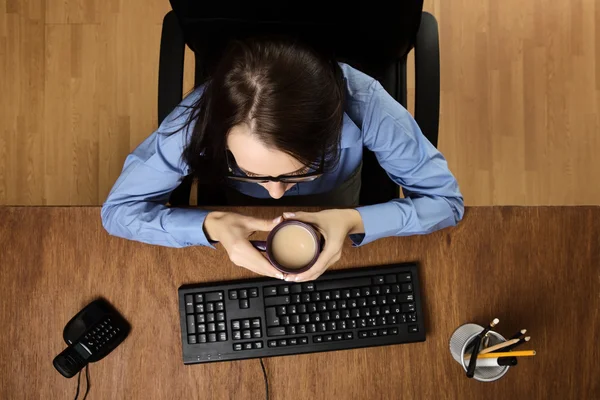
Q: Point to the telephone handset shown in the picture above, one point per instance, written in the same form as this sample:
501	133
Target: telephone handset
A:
90	335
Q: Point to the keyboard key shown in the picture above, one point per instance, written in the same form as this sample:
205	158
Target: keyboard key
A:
192	339
306	297
390	278
328	338
371	321
281	310
221	326
295	298
335	315
342	304
212	337
372	301
191	324
272	343
311	328
315	296
331	326
381	321
343	283
362	302
189	304
219	306
303	340
199	298
378	280
336	294
214	296
402	318
325	316
235	325
352	303
210	317
246	334
342	325
376	290
387	289
222	337
305	318
276	301
245	324
396	309
331	305
293	342
295	319
376	311
365	312
326	296
407	287
396	288
362	322
301	329
253	292
412	317
297	288
382	300
386	310
285	320
373	333
202	338
237	335
404	277
366	291
270	291
291	309
233	295
210	307
392	320
318	339
413	328
256	333
309	287
248	346
284	289
322	306
345	294
338	336
244	304
355	313
392	299
255	323
220	316
237	346
355	293
271	316
383	332
257	345
276	331
282	342
352	324
315	318
211	327
408	307
321	327
348	336
199	308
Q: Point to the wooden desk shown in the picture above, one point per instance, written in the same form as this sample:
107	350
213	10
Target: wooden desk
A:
534	268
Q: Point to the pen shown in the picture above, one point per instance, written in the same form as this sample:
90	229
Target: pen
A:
475	352
518	334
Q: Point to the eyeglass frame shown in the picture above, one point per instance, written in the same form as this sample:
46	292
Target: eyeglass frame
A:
281	178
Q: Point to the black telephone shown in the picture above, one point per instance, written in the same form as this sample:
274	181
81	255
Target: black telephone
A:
90	335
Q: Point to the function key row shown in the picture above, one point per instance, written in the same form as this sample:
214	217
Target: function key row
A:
248	346
288	342
204	302
287	289
334	337
246	323
377	332
204	307
241	294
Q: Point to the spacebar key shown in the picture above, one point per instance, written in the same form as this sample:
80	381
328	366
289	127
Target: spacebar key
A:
343	283
277	331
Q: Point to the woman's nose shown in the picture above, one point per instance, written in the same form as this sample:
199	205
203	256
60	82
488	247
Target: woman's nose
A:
276	189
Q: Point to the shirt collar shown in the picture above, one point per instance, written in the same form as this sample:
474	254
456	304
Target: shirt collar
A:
350	133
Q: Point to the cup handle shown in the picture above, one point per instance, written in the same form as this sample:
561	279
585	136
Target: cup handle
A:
260	245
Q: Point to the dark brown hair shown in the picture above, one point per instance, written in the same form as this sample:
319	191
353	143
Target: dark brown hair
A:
291	96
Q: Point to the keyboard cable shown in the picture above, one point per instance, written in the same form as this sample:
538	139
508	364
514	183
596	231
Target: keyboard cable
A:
87	382
266	379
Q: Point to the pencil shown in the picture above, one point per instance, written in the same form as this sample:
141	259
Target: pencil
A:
495	347
484	332
475	352
519	342
523	353
518	334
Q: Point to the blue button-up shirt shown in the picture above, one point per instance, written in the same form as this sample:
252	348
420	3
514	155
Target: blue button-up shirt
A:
136	206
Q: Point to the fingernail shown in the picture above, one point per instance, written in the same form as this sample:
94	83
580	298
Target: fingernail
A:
287	279
279	276
289	215
277	220
295	279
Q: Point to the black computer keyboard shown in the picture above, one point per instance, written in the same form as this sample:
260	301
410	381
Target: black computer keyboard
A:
342	309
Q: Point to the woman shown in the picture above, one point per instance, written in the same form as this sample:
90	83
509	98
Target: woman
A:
276	120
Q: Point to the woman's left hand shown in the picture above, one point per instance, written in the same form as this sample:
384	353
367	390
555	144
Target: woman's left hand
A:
335	226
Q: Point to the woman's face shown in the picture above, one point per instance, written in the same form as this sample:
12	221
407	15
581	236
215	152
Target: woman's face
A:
255	159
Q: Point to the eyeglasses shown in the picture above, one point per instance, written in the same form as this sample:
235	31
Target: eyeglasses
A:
236	173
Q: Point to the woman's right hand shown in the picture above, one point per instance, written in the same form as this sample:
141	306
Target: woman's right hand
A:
232	231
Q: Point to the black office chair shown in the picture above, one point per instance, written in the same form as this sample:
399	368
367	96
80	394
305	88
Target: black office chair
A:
378	48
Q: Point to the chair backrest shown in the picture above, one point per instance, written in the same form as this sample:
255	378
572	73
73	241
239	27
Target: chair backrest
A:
370	37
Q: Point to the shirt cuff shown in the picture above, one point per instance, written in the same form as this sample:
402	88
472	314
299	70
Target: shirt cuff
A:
186	226
379	220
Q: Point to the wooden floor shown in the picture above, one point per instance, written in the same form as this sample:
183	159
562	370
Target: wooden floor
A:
520	97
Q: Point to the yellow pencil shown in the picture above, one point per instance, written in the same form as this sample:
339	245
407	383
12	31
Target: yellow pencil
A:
524	353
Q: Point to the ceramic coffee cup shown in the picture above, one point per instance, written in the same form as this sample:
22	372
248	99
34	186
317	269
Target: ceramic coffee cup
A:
267	246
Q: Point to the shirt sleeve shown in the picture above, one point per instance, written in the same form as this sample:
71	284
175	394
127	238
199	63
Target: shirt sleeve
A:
136	206
432	198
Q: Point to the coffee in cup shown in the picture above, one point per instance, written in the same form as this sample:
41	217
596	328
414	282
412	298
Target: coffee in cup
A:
293	246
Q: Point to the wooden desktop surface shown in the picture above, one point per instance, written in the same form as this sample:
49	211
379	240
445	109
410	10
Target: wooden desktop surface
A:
532	267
